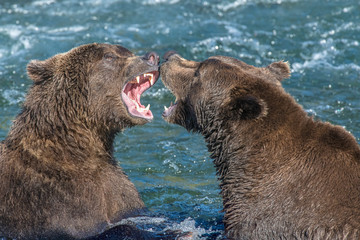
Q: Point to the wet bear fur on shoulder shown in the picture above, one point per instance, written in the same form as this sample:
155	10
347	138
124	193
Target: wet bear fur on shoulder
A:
282	174
59	179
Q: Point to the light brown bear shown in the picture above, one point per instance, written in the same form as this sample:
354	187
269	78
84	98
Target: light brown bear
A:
59	178
283	175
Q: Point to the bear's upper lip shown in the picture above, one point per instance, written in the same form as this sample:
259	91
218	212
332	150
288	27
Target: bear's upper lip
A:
132	91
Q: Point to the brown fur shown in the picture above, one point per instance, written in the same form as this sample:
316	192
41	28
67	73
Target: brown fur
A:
59	178
283	175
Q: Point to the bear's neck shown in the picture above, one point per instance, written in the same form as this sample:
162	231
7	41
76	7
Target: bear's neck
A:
237	152
247	153
60	139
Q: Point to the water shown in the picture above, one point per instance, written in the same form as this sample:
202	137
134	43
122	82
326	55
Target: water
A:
169	166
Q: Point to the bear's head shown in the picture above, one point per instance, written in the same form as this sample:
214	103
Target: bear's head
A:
221	89
96	85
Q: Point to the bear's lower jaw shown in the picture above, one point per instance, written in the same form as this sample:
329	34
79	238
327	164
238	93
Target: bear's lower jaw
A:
132	91
169	110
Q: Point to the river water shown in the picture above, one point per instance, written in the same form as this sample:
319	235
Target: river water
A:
170	167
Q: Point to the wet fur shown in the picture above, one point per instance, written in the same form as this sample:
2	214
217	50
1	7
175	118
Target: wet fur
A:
59	178
282	174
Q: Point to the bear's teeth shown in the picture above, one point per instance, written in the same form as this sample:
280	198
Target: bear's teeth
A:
165	108
136	106
141	109
151	78
138	79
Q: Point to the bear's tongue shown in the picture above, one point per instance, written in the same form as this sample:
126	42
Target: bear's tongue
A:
132	92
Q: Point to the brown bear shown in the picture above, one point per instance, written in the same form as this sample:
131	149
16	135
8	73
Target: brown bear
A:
283	175
59	178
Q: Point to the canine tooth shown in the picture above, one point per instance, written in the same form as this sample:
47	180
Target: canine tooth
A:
148	107
138	79
137	106
165	108
151	78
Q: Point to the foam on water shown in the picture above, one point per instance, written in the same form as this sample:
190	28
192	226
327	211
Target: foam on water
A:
43	2
13	31
226	6
189	225
12	96
71	29
155	2
157	93
161	225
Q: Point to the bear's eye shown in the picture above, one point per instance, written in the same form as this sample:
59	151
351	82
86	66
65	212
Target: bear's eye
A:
197	73
110	57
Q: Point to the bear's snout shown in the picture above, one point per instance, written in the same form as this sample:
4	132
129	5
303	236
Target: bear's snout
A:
168	54
152	58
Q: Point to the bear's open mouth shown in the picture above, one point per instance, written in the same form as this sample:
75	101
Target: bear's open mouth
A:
132	91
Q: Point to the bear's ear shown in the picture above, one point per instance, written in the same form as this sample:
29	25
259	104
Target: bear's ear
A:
39	70
245	106
281	70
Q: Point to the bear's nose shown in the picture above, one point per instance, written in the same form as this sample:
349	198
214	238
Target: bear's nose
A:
168	54
152	58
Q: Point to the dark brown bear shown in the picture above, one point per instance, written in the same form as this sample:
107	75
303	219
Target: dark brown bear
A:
283	175
59	178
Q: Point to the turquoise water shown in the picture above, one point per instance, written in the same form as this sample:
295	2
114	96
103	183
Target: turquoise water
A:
170	167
